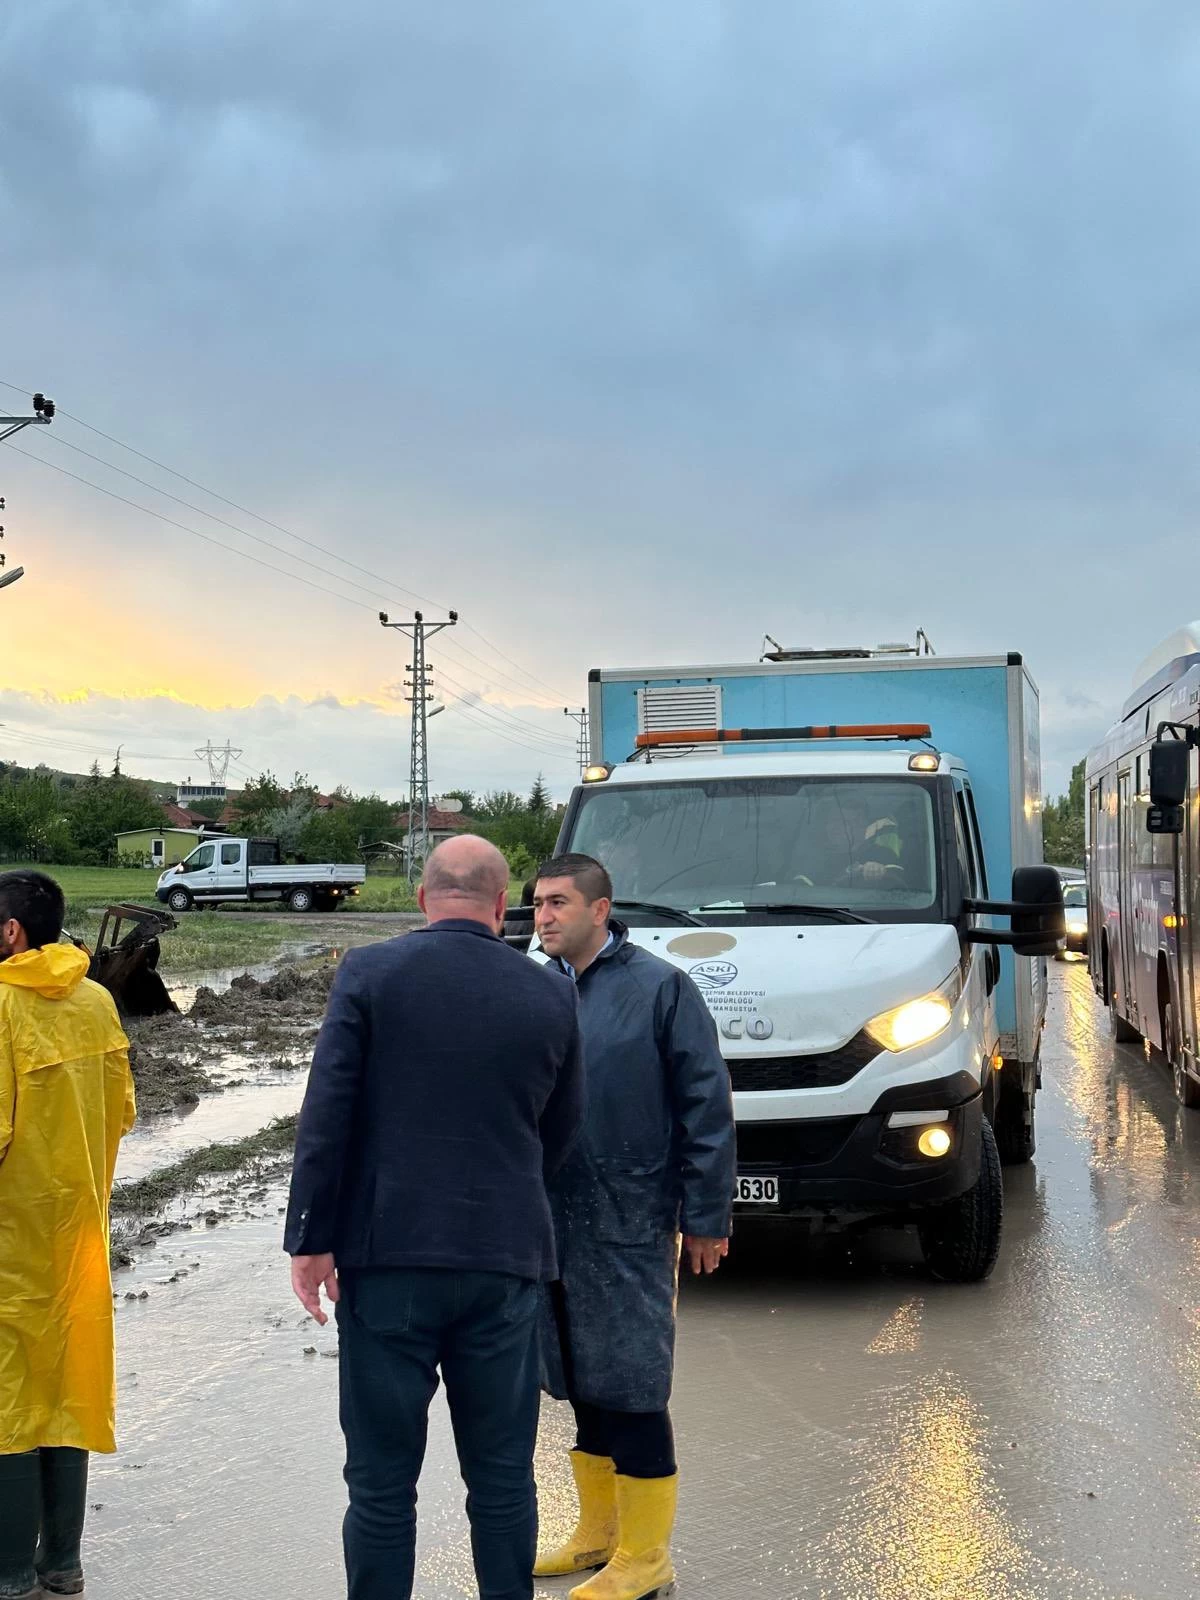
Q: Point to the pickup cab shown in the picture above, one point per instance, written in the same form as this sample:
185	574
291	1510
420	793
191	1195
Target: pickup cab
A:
225	871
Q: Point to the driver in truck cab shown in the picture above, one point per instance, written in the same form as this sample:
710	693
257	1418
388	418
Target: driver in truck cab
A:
841	846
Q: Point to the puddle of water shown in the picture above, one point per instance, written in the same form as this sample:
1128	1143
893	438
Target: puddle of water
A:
183	989
164	1139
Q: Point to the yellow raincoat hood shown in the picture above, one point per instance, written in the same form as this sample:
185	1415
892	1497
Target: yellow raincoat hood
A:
53	972
66	1097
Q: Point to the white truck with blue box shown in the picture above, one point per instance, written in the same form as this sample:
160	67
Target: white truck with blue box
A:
829	890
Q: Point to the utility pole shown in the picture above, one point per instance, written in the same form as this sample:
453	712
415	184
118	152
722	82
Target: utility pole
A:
418	630
581	743
43	412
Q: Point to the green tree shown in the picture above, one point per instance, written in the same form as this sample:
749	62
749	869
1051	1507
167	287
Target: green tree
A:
465	796
539	797
211	809
260	797
99	808
1063	824
497	804
288	822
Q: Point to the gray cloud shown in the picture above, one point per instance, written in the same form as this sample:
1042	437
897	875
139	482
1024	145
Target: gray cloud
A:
636	330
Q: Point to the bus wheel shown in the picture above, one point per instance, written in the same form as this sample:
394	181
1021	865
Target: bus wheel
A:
1123	1032
961	1239
1187	1090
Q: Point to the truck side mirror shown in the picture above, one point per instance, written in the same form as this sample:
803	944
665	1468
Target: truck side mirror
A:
1040	926
1168	786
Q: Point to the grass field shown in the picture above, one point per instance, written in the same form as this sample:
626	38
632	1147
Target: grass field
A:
203	939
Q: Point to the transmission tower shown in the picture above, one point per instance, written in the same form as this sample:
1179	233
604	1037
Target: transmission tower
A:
218	761
581	743
418	630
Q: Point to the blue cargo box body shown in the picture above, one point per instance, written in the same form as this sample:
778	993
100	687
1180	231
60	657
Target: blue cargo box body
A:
982	709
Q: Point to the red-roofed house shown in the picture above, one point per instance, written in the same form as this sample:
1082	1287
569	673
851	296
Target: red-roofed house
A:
442	824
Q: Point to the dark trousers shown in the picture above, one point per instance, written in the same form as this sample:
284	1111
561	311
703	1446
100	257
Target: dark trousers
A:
43	1499
641	1444
396	1327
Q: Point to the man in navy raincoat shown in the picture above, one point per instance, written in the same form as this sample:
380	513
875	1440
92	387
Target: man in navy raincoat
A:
656	1157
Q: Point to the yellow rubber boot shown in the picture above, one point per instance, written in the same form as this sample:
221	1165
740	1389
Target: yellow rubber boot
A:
641	1568
595	1536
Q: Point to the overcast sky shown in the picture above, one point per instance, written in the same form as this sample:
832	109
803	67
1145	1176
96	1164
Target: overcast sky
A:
632	330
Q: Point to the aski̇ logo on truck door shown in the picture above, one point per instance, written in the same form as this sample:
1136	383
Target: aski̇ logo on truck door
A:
729	1011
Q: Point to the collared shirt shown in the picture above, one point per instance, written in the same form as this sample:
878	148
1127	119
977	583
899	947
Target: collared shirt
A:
570	970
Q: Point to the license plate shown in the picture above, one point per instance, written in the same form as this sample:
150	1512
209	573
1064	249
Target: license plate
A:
757	1191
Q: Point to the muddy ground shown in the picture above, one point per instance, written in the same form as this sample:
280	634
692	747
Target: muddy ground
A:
178	1057
218	1088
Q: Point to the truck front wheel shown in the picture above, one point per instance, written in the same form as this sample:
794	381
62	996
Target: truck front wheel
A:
301	900
179	900
961	1239
1016	1137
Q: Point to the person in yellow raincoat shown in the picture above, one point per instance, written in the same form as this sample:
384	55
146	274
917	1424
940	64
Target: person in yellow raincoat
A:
66	1098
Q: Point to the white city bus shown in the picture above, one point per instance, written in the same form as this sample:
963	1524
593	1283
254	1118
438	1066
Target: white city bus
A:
1144	861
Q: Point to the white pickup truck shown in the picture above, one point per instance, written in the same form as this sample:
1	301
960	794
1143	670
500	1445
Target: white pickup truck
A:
223	871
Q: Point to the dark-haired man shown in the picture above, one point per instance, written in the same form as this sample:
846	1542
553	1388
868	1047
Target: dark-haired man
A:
66	1098
656	1156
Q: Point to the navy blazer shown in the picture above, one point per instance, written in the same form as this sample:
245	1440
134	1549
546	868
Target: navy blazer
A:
446	1086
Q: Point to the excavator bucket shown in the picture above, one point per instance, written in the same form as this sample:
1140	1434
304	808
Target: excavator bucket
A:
126	963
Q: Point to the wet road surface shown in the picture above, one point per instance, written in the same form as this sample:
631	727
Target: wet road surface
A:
847	1430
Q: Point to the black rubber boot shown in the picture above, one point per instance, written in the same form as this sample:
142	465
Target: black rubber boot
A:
20	1515
64	1503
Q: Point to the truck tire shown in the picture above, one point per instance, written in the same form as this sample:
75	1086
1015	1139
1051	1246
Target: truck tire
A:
301	899
179	900
1016	1138
961	1239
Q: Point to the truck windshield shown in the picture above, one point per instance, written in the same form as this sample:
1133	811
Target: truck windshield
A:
729	844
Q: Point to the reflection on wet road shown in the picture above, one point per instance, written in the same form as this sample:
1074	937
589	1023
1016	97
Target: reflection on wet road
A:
847	1430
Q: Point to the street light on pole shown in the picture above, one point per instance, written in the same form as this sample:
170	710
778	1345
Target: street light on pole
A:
11	577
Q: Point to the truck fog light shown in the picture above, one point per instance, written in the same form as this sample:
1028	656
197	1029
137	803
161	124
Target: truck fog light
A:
934	1142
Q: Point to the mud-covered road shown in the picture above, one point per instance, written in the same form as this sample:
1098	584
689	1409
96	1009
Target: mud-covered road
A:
847	1430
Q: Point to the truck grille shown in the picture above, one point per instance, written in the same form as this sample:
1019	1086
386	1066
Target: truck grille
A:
792	1144
819	1071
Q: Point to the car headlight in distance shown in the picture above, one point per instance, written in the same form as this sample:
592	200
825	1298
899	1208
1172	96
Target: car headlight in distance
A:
917	1021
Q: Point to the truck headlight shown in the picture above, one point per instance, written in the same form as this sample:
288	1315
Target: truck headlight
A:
917	1021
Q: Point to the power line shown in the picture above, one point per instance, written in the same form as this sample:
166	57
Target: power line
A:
221	545
375	594
195	532
463	710
503	712
279	528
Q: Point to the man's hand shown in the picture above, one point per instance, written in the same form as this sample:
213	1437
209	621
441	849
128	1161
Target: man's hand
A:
309	1275
705	1255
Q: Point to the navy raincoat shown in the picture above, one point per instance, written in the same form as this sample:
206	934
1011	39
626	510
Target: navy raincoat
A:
656	1156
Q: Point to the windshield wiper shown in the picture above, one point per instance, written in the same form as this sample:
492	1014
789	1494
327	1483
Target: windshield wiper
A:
668	913
782	907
